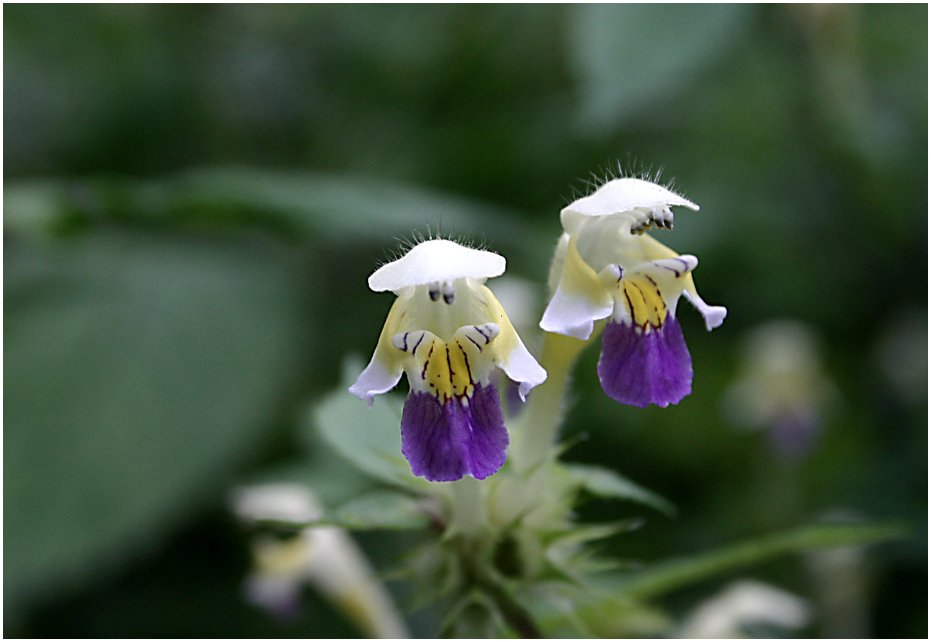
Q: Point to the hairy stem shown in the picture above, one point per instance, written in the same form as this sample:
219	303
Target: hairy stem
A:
539	426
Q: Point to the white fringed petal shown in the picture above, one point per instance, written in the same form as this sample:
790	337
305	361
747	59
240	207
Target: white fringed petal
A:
436	261
639	199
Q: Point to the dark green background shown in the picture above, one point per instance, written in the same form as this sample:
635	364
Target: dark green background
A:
195	195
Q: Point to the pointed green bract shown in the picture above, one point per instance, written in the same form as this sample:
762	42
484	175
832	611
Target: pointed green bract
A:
604	482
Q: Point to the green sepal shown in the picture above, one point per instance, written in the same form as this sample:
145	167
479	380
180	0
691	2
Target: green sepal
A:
604	482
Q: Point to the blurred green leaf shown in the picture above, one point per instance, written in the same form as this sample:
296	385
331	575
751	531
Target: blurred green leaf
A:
377	510
345	209
138	373
475	616
618	608
620	616
339	206
370	438
572	610
604	482
568	552
633	56
384	510
33	208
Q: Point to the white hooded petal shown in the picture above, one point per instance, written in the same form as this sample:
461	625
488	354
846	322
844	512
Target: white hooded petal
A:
436	261
641	200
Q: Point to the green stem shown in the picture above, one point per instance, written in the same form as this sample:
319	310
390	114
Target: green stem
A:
675	574
513	613
539	426
477	576
467	510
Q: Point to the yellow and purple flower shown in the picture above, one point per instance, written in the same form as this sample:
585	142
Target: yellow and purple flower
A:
606	268
447	332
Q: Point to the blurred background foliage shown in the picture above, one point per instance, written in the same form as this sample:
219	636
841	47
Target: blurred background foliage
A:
194	197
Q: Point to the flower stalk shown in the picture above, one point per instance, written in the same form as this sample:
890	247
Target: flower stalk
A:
467	508
536	433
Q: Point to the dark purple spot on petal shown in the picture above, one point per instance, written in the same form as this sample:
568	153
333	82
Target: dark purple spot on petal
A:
445	441
642	368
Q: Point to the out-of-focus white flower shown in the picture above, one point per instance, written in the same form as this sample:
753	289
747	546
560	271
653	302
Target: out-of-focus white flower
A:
782	386
326	557
902	353
745	603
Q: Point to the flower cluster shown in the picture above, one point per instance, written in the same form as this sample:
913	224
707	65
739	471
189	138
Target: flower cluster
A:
448	332
506	555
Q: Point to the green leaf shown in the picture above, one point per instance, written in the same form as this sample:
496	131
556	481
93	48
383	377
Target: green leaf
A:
618	606
568	552
138	373
475	616
378	510
339	206
382	509
622	617
630	57
370	438
33	209
673	575
573	610
604	482
359	208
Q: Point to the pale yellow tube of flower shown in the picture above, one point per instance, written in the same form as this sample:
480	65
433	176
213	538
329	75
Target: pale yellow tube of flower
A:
326	557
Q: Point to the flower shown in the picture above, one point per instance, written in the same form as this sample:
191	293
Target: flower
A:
324	556
448	332
606	267
782	387
743	605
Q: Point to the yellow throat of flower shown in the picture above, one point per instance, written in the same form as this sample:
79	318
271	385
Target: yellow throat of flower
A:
644	301
447	369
